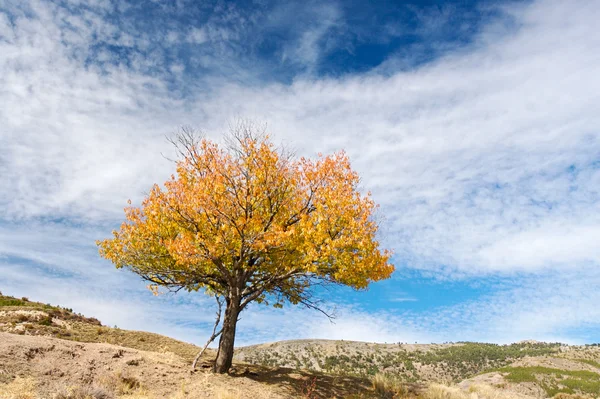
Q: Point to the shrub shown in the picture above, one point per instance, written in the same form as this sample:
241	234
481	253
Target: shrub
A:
120	383
555	381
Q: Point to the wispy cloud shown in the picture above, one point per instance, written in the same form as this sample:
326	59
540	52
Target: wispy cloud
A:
485	160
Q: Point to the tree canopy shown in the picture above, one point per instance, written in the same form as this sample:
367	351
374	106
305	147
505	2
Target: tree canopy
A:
250	222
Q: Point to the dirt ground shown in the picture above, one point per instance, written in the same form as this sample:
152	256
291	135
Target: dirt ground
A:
54	365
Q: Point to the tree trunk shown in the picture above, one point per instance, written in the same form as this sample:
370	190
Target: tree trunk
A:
225	352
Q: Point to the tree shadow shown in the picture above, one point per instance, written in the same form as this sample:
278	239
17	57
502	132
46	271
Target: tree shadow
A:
302	383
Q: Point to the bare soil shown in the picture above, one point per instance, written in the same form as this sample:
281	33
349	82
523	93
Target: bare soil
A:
55	364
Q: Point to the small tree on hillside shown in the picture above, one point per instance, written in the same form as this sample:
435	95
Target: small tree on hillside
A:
250	223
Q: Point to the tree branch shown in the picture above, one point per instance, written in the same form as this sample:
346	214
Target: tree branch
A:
308	303
215	333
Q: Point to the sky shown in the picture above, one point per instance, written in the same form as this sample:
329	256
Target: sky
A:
474	124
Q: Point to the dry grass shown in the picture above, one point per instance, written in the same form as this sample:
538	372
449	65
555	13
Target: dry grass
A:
121	383
134	339
119	386
438	391
83	392
111	386
20	388
15	322
388	386
223	393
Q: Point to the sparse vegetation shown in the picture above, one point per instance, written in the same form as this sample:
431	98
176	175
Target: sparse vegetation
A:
438	391
555	381
112	386
84	392
439	363
590	362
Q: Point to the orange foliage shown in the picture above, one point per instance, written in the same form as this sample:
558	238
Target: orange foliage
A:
249	220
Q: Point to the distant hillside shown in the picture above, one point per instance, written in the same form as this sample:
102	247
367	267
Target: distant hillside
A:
573	373
529	368
431	362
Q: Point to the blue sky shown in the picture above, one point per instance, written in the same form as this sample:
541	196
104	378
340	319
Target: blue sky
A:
474	125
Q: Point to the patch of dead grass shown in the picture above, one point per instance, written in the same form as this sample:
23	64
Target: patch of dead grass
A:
476	391
19	388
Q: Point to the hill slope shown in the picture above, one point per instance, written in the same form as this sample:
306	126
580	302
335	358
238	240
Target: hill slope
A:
531	368
25	317
50	352
430	362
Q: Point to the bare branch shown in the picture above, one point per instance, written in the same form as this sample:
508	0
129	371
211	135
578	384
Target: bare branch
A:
214	334
306	300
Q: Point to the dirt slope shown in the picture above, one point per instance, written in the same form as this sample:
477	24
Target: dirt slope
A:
53	365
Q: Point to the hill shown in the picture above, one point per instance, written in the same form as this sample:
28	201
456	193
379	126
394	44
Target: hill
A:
24	317
34	367
51	352
537	369
410	362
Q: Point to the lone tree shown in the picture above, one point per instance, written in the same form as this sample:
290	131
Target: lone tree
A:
250	222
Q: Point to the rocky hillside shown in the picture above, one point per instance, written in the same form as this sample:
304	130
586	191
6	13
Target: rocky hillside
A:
536	369
433	362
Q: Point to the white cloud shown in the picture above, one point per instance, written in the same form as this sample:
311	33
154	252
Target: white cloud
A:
403	299
466	152
485	161
322	18
547	245
555	307
197	35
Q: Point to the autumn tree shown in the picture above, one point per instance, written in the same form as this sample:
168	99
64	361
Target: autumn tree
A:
249	222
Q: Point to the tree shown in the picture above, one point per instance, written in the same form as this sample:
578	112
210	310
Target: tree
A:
249	222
